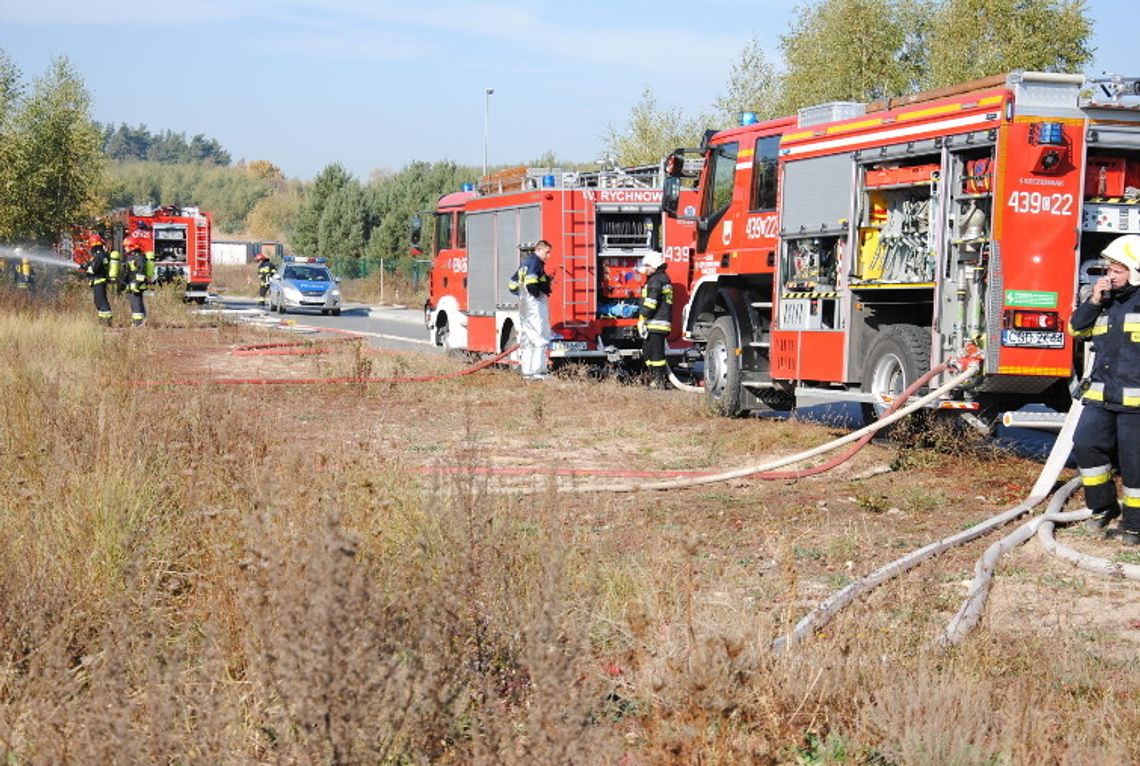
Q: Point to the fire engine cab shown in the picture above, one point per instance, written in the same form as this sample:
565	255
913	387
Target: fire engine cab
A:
600	224
843	252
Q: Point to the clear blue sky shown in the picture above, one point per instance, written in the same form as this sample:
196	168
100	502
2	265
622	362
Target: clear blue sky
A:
376	84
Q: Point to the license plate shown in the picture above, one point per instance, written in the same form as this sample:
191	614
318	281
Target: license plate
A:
567	346
1032	339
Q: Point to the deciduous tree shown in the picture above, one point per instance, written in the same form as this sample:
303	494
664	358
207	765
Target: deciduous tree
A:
753	86
854	50
652	132
970	39
55	160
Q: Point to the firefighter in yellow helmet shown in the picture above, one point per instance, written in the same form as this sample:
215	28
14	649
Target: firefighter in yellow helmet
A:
265	272
135	264
99	274
655	318
25	274
1108	432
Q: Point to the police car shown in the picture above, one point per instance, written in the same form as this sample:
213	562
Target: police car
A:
304	283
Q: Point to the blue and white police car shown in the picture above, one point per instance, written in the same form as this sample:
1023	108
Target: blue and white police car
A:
304	283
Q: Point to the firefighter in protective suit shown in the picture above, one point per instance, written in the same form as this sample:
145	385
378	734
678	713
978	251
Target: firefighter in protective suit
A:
265	272
1109	429
102	269
135	264
531	284
25	274
655	319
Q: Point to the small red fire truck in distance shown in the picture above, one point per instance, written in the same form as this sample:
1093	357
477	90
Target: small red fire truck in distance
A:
600	225
179	237
842	253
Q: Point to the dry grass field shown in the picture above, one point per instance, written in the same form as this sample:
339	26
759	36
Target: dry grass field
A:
340	574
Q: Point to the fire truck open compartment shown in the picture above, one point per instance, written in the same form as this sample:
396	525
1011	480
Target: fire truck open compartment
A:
625	235
1111	201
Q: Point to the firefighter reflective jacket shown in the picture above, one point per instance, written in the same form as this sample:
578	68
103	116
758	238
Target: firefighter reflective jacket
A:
532	276
657	302
265	272
136	271
99	267
1114	329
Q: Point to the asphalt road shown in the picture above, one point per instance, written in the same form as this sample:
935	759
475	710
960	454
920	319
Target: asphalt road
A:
389	327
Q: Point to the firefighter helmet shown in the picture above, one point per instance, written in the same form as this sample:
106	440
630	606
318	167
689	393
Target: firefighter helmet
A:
652	261
95	241
1126	250
261	257
130	244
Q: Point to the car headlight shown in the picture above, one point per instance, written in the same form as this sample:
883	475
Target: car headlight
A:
335	293
291	292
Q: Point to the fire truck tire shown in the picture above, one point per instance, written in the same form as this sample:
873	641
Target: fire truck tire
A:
336	312
898	357
722	368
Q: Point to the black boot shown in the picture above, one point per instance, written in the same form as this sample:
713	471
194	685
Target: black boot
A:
1101	518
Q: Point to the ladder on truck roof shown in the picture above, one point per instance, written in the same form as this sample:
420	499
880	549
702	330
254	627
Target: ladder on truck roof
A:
201	246
579	283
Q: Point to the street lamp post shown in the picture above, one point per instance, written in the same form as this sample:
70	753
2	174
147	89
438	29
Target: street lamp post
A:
486	124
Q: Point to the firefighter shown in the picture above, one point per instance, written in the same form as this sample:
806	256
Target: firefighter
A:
531	284
25	274
102	268
135	263
654	319
1109	428
265	272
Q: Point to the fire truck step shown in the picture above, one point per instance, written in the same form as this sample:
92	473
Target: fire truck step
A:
759	344
761	304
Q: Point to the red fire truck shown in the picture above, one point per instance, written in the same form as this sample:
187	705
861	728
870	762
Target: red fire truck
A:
843	252
600	223
179	237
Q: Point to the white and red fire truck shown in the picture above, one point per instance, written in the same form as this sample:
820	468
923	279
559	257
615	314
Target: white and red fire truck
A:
600	224
843	252
179	237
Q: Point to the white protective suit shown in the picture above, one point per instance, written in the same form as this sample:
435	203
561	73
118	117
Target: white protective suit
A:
534	333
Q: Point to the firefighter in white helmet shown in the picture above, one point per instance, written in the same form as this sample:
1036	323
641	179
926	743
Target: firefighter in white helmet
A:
1109	429
531	284
655	318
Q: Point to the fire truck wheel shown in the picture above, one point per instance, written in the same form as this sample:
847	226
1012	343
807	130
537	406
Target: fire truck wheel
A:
722	368
898	357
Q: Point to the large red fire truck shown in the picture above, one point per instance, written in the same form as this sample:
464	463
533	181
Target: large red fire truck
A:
179	237
843	252
600	224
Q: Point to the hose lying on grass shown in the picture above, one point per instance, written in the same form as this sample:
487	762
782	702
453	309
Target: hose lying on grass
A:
767	470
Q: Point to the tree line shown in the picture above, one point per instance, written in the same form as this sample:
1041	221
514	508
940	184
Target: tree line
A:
865	50
59	169
139	144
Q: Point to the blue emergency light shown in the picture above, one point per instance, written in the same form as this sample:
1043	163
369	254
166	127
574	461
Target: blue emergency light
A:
302	259
467	187
1051	133
748	118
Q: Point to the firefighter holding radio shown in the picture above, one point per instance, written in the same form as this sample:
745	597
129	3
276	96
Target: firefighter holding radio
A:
654	320
531	284
1109	429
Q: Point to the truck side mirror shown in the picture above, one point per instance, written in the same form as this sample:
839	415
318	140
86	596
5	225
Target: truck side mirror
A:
417	229
671	195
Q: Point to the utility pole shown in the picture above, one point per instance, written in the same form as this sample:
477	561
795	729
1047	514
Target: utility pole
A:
486	124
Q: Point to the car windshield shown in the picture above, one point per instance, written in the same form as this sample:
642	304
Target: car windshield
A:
308	273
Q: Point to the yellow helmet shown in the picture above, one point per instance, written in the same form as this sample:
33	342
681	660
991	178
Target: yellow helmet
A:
1126	250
